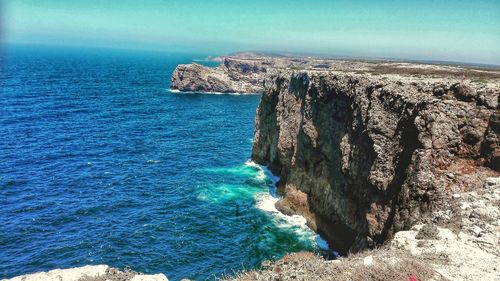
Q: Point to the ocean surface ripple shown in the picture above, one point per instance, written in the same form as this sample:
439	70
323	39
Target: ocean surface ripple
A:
101	164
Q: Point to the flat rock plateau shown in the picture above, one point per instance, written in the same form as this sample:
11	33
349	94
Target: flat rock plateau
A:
394	163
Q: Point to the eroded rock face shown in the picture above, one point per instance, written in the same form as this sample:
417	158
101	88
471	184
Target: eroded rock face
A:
362	156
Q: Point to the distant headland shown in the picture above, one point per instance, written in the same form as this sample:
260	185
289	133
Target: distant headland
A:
245	72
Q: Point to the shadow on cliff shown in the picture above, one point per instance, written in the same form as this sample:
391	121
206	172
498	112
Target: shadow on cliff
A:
393	196
333	157
347	156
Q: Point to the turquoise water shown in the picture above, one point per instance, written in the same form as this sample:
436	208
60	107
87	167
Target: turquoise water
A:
101	164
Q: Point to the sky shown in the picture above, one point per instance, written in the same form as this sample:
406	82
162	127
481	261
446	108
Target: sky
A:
446	30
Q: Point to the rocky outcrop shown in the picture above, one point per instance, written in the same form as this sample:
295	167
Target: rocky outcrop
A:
380	265
363	155
467	253
232	76
89	273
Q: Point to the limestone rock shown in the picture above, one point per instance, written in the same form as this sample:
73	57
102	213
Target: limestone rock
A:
368	261
89	273
152	277
70	274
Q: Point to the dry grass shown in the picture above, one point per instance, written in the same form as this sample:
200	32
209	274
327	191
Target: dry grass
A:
387	265
428	231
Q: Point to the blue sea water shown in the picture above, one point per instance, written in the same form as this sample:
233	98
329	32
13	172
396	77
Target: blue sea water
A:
101	164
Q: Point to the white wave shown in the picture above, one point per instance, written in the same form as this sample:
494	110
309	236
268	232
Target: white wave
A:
261	174
211	93
202	197
252	164
266	201
296	223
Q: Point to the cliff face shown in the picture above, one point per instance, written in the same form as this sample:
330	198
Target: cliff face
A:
233	75
363	155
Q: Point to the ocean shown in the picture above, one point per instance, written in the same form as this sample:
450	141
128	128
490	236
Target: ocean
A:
101	164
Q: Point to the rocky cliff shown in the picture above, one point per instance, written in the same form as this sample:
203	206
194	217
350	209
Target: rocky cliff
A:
363	154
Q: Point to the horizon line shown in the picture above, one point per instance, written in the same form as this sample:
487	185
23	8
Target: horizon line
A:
322	55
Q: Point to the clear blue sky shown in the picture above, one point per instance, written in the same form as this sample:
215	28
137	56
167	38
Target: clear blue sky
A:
457	30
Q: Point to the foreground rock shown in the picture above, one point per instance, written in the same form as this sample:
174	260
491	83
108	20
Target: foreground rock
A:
89	273
364	155
469	252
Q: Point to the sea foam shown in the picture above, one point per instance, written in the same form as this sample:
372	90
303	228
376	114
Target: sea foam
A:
210	93
266	201
261	173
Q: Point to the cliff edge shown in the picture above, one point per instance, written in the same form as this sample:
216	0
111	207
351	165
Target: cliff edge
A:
364	154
